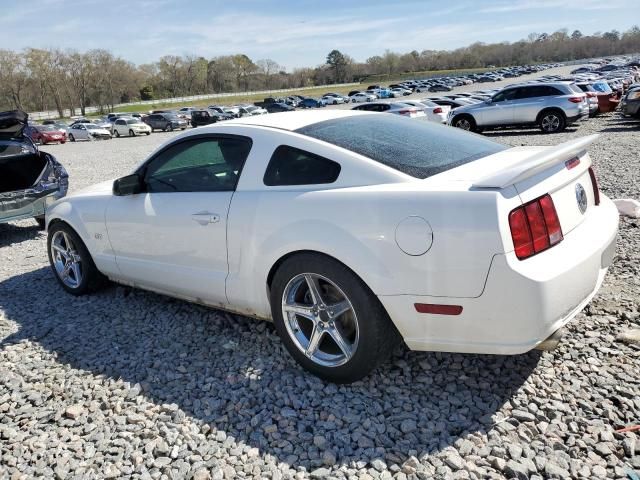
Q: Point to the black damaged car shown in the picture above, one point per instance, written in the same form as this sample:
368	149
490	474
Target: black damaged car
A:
30	180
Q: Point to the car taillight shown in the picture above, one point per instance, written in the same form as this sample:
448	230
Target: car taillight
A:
535	227
576	99
407	111
594	183
591	94
437	110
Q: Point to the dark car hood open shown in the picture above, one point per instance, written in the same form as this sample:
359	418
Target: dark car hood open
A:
12	123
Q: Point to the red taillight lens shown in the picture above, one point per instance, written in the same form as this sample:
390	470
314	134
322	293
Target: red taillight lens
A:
575	99
437	110
574	162
535	227
594	183
408	111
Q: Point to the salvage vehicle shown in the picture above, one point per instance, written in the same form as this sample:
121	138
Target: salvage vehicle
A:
352	231
30	179
549	106
130	127
44	134
88	131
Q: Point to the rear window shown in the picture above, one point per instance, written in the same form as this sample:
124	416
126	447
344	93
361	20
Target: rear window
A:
418	148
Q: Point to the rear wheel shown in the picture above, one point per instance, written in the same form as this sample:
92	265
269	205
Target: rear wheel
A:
72	138
131	133
329	320
41	221
71	262
117	133
552	121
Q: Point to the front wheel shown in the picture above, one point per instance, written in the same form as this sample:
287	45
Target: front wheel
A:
131	133
41	222
465	122
117	133
329	320
72	138
71	262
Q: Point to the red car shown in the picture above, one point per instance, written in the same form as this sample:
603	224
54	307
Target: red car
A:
44	134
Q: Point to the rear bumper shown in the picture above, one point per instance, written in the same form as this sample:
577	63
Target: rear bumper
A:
523	302
27	205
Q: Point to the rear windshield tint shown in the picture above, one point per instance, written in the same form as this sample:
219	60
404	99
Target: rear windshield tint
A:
418	148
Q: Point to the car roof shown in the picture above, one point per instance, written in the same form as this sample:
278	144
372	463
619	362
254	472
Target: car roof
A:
293	120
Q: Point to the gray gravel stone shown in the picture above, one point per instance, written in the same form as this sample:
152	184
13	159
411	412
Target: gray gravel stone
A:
130	384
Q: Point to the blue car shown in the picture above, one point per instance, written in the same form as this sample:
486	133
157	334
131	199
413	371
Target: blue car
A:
312	103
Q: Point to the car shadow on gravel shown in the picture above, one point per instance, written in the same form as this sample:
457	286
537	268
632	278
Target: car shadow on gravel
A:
520	132
231	374
11	234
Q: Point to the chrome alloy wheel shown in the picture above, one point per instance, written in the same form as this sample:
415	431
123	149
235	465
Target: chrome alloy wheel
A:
66	260
320	319
550	123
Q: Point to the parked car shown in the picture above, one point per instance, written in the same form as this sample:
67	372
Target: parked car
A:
44	134
30	179
250	110
434	112
440	88
550	106
309	102
130	127
352	242
395	108
630	103
88	131
165	122
359	97
400	92
278	107
334	98
207	117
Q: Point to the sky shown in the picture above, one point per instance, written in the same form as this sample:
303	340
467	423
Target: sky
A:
294	33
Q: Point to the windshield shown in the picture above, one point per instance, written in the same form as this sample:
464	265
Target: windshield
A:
91	126
45	128
417	148
132	121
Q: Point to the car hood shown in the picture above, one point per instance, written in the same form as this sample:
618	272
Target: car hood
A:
12	124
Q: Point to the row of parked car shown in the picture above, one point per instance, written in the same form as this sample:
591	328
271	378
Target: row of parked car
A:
551	102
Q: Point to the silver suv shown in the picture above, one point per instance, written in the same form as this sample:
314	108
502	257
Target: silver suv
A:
551	106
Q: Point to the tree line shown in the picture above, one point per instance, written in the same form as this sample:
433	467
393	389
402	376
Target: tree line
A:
55	79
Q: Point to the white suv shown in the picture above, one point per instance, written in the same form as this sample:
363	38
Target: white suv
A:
550	106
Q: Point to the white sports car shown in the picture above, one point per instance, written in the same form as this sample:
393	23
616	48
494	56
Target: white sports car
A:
352	231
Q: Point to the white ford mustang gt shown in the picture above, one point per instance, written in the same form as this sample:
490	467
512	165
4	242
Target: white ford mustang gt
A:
351	231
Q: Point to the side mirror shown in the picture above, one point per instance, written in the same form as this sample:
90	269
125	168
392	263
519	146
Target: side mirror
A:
129	185
488	101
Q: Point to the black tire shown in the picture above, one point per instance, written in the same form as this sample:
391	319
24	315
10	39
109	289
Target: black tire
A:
41	222
132	133
116	133
465	122
552	121
377	335
92	279
148	133
72	138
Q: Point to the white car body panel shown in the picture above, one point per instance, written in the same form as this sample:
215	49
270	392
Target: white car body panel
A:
468	259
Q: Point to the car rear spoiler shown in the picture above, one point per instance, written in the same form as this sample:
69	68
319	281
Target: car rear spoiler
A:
535	163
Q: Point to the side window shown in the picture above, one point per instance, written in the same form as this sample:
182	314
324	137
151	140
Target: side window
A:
504	95
199	165
292	166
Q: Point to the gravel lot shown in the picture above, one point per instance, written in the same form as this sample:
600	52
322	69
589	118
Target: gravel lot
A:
130	384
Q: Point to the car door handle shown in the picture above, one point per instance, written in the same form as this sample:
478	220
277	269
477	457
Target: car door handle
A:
204	218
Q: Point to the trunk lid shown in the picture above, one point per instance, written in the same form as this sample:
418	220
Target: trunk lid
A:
12	124
561	171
